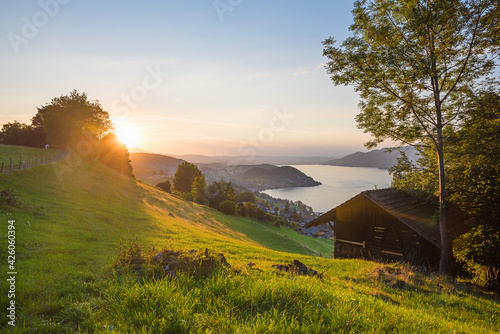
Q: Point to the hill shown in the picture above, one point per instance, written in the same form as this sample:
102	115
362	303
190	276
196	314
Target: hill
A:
277	177
375	159
71	233
154	168
254	160
150	164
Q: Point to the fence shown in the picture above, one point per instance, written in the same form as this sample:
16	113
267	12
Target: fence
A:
31	160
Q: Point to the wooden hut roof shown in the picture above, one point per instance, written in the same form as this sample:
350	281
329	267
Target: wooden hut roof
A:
415	213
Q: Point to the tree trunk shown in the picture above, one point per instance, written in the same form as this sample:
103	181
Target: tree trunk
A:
445	253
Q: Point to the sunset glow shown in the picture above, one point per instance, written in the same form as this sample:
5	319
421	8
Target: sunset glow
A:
127	135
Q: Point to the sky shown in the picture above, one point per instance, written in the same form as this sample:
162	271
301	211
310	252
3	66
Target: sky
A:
210	77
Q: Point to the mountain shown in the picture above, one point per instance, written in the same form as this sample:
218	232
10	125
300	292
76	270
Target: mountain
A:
152	167
149	164
375	159
277	177
258	177
137	150
254	160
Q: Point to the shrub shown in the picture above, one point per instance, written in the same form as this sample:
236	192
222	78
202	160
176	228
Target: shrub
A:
251	209
8	199
165	186
246	196
240	209
228	208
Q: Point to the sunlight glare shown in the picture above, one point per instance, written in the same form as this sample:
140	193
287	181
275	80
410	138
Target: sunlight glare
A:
127	135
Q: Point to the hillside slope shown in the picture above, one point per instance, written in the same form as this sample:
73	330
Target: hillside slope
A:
70	230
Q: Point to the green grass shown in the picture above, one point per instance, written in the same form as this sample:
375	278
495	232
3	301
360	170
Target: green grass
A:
68	234
22	153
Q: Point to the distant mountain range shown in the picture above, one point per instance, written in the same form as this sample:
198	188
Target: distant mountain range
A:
375	159
259	177
254	177
150	164
226	167
253	160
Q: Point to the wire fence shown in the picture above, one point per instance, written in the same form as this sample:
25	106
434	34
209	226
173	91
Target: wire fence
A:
30	160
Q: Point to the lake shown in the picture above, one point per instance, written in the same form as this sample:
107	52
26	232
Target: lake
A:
338	185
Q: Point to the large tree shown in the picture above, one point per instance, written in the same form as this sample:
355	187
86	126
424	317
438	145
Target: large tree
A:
69	119
472	169
412	61
219	192
185	176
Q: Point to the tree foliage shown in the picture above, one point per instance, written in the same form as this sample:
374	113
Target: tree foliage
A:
219	192
246	196
199	190
184	177
228	207
17	133
114	154
473	181
165	186
69	119
413	63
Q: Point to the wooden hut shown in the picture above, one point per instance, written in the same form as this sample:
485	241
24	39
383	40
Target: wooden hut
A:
389	225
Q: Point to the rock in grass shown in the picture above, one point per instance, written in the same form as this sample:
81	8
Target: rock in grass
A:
297	267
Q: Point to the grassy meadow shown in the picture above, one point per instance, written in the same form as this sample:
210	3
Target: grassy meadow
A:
24	153
70	229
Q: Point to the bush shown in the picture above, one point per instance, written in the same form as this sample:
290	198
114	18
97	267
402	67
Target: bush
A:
165	186
8	199
246	196
251	210
240	209
228	208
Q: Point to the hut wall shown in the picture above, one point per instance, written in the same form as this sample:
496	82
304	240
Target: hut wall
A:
385	237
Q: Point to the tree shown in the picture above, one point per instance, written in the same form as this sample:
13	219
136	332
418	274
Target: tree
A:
114	154
219	192
412	62
165	186
17	133
287	207
184	177
473	161
241	209
246	196
228	208
474	179
69	119
199	191
473	182
250	209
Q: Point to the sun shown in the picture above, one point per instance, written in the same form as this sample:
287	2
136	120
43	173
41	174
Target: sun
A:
127	135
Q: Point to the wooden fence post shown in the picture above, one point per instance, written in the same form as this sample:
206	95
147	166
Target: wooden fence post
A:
11	164
20	160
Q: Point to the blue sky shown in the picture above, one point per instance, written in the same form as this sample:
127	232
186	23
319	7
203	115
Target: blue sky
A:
189	77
